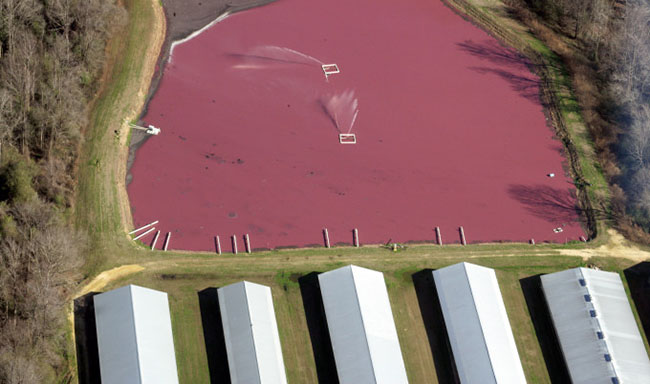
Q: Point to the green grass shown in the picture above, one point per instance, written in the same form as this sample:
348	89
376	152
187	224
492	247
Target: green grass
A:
129	135
571	113
183	284
570	109
97	205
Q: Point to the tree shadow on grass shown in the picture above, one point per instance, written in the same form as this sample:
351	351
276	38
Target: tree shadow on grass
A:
546	336
318	331
85	333
557	206
638	279
215	342
434	324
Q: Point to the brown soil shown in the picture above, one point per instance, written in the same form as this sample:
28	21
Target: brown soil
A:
97	284
101	280
617	246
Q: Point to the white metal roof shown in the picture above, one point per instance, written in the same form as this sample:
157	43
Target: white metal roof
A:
251	333
361	327
571	295
477	324
134	336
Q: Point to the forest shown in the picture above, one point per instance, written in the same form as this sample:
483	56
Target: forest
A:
612	39
51	56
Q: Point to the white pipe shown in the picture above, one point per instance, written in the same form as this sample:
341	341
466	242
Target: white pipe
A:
144	234
155	240
169	235
462	236
143	227
326	235
248	243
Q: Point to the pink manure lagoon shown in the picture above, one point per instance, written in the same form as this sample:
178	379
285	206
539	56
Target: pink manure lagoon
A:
450	132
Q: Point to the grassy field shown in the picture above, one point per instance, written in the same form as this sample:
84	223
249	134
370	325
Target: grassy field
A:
102	209
182	279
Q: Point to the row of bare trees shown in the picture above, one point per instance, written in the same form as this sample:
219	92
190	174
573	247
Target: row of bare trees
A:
39	255
51	55
630	86
589	21
614	37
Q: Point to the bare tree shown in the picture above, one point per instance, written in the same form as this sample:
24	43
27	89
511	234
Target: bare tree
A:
632	75
636	142
51	53
37	264
630	85
15	368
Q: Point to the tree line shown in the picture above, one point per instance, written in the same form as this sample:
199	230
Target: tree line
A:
614	37
51	56
630	88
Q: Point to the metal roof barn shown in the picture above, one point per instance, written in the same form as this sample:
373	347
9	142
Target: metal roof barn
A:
477	325
361	326
599	337
134	337
251	334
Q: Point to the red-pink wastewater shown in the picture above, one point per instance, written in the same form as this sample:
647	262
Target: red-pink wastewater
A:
450	132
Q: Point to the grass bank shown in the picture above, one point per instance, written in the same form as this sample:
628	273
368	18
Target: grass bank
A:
101	206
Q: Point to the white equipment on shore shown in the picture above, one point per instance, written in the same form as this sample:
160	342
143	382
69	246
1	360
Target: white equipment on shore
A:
150	129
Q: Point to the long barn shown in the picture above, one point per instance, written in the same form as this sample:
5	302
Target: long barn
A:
477	325
251	334
598	335
361	326
134	337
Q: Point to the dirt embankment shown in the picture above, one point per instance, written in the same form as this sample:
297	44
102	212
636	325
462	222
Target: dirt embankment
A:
141	87
617	246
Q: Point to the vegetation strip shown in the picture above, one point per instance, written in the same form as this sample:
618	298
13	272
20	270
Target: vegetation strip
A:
102	206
